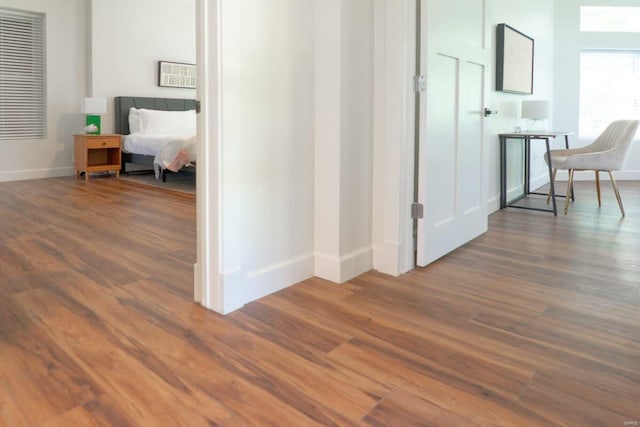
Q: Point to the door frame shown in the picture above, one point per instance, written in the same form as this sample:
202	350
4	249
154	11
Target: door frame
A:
208	285
393	135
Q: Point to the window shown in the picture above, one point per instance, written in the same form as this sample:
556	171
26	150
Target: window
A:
609	89
22	75
610	19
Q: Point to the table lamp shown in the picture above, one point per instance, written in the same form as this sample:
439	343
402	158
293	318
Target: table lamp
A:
93	107
536	111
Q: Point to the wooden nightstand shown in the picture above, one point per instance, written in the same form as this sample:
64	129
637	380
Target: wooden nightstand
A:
97	153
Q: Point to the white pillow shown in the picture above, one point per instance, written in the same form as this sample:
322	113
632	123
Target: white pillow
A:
134	120
157	122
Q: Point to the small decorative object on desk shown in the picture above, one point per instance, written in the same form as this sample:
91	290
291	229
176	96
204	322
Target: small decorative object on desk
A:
90	129
537	111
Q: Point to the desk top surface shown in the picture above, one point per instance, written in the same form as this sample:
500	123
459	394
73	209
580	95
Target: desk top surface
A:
536	134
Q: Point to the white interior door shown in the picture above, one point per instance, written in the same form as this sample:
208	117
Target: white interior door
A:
451	176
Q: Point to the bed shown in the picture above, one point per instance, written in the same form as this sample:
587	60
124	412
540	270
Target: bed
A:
157	151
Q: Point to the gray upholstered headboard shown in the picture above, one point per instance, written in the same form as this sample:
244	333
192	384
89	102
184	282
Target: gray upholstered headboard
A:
123	103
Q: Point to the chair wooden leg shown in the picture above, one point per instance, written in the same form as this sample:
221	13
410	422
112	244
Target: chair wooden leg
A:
615	190
573	194
598	187
569	187
555	171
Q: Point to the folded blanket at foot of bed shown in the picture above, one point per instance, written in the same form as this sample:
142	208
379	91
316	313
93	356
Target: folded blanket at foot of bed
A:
175	154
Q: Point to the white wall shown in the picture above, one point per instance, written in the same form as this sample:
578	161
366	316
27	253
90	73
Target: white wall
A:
267	147
356	134
328	138
534	18
295	146
128	38
569	42
66	81
343	138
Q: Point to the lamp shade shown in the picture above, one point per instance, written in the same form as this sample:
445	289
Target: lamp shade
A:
94	105
536	110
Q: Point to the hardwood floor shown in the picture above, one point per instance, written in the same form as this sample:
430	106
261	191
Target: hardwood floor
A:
535	323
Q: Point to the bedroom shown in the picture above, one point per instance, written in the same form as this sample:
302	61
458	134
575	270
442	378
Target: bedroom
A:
102	49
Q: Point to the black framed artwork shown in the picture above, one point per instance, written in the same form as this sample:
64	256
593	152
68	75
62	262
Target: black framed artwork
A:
176	74
514	61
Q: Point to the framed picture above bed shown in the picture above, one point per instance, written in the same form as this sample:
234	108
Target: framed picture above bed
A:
514	61
176	74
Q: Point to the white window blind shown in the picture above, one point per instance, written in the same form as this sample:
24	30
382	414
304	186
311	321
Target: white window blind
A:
22	75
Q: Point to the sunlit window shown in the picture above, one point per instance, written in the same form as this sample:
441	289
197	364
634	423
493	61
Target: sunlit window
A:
610	19
609	89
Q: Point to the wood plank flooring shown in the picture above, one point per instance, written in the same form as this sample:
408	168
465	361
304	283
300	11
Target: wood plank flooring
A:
535	323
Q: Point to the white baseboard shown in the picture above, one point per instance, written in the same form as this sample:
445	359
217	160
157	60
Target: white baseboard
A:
493	205
625	175
514	192
22	175
197	283
348	266
628	175
539	181
386	258
356	263
240	288
327	267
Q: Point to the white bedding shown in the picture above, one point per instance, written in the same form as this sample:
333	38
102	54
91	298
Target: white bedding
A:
169	136
148	145
171	152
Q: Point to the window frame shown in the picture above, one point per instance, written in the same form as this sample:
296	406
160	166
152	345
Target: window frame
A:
627	26
629	114
23	75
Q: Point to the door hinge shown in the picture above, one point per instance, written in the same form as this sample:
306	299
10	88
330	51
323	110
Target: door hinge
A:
198	106
417	211
419	84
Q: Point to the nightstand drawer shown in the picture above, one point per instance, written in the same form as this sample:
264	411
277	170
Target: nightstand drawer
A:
103	142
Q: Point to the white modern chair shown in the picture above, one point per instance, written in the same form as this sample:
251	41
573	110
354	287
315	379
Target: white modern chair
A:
608	153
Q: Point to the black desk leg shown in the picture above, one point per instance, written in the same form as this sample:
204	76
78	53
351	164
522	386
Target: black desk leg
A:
503	172
552	186
566	144
527	166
